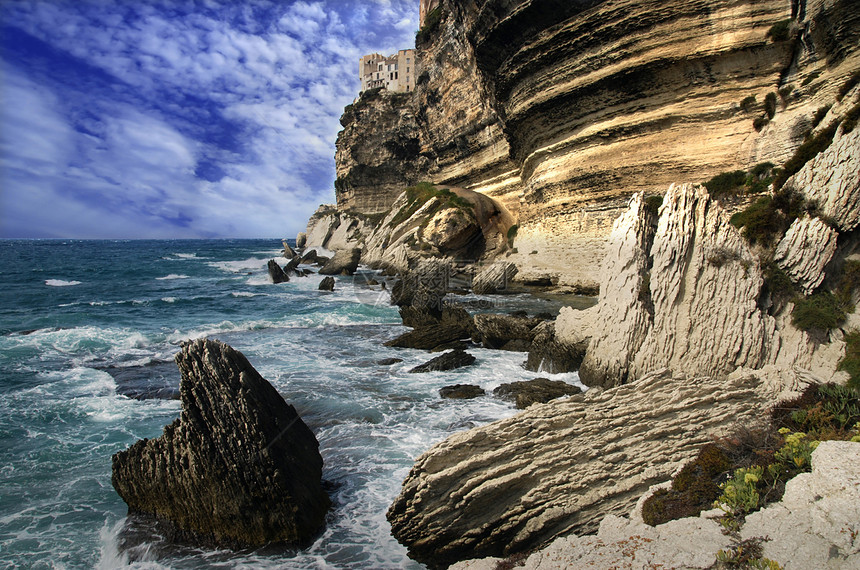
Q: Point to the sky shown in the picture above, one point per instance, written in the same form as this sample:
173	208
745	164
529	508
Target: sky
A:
178	118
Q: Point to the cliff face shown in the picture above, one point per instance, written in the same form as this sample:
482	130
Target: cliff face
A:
562	110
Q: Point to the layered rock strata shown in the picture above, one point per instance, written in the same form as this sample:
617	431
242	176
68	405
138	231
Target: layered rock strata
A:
238	468
811	527
562	110
560	467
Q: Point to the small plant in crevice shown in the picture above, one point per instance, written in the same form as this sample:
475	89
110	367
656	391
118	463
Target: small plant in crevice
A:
748	104
767	219
760	122
739	182
746	554
850	363
512	235
431	22
770	105
653	203
778	288
780	31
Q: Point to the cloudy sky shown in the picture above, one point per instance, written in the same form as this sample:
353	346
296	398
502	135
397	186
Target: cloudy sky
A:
178	118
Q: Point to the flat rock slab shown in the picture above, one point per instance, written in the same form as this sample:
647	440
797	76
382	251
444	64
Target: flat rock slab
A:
238	468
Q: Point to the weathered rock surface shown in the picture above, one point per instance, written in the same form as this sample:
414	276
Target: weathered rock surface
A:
682	294
327	284
533	101
301	240
494	278
276	273
461	392
811	527
344	262
239	466
448	361
537	391
806	249
432	337
832	179
554	353
559	467
500	331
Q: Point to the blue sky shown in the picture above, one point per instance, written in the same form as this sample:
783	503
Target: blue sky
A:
178	118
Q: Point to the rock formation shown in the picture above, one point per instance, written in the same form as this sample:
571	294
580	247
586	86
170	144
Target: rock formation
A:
448	361
344	262
506	332
537	391
532	102
804	252
276	273
811	527
238	468
560	467
494	278
327	284
461	392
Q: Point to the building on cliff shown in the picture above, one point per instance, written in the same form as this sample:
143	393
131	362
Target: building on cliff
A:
395	73
425	8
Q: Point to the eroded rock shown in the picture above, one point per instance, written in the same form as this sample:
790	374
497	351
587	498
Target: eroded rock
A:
238	468
494	278
808	246
276	273
537	391
344	262
448	361
461	392
327	284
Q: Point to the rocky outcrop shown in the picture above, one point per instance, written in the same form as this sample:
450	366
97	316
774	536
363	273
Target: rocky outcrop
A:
532	102
537	391
276	273
344	262
327	284
560	467
832	180
238	468
301	240
813	526
805	250
494	278
450	360
506	332
461	392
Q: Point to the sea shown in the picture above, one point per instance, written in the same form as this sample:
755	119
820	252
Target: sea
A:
88	331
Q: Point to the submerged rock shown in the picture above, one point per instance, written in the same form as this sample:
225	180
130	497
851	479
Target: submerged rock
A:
327	284
537	391
276	274
448	361
461	391
238	468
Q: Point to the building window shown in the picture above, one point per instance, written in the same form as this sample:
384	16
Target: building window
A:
395	75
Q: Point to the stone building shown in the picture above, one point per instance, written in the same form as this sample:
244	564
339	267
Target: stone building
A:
395	73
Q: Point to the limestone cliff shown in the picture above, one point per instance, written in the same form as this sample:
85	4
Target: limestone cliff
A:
561	110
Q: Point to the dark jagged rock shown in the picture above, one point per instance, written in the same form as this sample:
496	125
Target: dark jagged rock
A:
343	262
449	361
461	392
289	253
327	284
276	274
238	468
551	355
430	336
293	264
539	390
155	380
389	361
499	331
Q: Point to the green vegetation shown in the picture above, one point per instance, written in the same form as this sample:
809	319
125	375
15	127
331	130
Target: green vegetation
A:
726	183
779	285
851	362
423	192
653	203
767	219
748	104
760	122
820	311
747	470
770	105
739	182
431	22
785	93
780	31
848	85
747	554
512	235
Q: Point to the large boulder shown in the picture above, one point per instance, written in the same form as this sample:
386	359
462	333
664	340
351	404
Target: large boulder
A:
560	467
301	240
238	468
276	274
501	331
327	284
461	392
553	353
344	261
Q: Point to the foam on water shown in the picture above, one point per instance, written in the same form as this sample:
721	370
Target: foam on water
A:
61	283
171	277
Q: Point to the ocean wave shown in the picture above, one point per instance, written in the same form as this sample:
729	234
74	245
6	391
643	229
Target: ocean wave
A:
242	265
171	276
247	294
61	283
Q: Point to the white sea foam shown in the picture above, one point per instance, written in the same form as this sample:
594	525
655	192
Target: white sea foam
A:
61	283
242	265
169	299
171	277
247	294
187	256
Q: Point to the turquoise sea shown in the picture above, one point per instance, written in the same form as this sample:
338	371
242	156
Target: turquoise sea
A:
88	330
